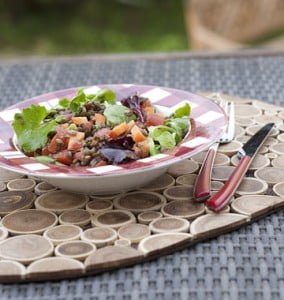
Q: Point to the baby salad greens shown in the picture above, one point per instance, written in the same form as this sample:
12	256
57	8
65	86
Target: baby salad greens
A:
95	130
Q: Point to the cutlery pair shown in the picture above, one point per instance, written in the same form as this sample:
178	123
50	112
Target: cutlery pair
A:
246	155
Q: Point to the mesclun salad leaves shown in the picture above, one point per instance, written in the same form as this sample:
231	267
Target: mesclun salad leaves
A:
95	130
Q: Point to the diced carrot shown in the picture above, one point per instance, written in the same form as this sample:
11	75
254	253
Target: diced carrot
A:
80	135
79	120
101	163
149	109
74	145
118	130
64	157
146	103
137	134
130	125
99	119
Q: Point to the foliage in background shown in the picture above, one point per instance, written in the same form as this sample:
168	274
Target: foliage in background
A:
50	27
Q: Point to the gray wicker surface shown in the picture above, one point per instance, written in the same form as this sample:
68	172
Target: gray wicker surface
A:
246	264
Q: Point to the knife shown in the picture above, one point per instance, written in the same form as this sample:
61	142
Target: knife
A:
246	155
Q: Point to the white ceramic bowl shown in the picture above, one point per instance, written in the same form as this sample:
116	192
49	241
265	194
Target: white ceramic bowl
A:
207	118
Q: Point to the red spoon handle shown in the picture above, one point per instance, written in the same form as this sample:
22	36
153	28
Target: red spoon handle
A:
202	183
224	195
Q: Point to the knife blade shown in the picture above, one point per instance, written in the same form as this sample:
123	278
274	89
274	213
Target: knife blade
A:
246	155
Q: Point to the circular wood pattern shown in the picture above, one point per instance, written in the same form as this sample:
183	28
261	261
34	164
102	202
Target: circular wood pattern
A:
99	205
104	197
187	179
44	187
141	201
63	233
264	119
60	201
6	175
245	121
230	148
54	266
278	189
3	186
160	183
259	161
183	167
220	159
79	217
179	192
75	249
133	232
100	236
224	210
243	138
25	248
246	111
251	186
122	243
3	233
113	219
25	184
113	231
253	205
251	130
280	137
277	148
222	173
29	221
13	201
169	224
216	185
278	161
213	222
270	175
148	216
160	241
183	208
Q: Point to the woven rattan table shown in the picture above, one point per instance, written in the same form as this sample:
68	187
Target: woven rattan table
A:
245	264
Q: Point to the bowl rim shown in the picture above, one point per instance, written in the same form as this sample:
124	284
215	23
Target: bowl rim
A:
154	164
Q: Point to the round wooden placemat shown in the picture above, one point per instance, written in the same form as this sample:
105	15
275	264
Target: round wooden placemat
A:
77	235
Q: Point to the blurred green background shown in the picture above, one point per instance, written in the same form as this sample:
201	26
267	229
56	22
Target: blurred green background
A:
55	27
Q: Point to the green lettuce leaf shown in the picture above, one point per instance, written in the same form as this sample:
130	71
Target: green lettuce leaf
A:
32	133
116	114
163	135
183	111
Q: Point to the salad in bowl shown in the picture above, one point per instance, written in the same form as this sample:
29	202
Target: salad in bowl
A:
106	139
95	130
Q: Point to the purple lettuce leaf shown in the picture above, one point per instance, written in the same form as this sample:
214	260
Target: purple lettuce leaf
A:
134	103
125	142
116	156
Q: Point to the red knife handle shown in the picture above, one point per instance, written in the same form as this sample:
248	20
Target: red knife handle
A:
202	183
223	196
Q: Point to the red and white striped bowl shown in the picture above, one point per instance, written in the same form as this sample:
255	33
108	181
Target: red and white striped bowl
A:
209	121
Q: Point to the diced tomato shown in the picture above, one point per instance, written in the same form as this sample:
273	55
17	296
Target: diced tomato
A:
45	151
79	155
103	133
53	146
100	163
64	157
79	120
74	145
154	119
137	134
88	126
